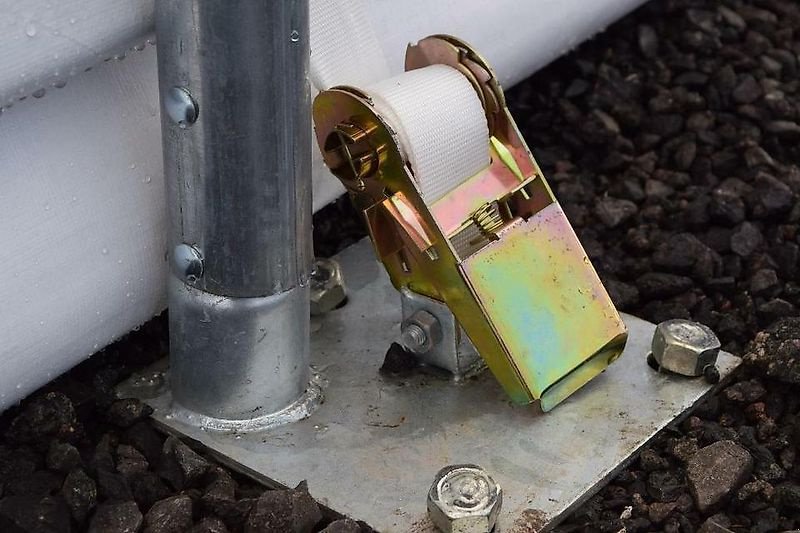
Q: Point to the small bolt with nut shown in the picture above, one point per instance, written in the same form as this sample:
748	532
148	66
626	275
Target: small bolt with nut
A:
327	286
464	499
686	348
420	332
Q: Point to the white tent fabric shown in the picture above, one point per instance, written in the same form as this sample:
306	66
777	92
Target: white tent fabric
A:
82	244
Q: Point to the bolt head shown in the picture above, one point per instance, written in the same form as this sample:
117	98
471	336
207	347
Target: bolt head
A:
180	106
187	263
327	286
464	499
430	327
685	347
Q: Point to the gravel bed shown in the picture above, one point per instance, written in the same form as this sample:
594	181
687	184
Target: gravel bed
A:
673	141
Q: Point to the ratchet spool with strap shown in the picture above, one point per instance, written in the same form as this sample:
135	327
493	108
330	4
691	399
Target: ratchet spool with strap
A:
459	211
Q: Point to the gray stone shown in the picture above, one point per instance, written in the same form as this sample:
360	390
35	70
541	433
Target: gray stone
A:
170	515
122	517
62	457
746	239
716	524
210	524
614	211
80	493
284	510
775	352
716	471
180	465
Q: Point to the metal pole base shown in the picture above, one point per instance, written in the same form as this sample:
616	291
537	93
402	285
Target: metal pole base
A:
235	362
390	436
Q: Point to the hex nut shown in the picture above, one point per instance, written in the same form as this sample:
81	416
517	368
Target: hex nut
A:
685	347
429	326
464	499
327	286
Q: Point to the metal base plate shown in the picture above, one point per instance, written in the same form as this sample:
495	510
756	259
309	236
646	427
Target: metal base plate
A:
373	447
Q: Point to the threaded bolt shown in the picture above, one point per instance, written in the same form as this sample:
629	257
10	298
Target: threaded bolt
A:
413	338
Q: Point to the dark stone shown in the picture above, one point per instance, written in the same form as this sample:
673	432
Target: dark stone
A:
623	295
576	88
651	461
220	493
62	457
117	517
747	91
661	285
683	449
775	309
726	207
345	525
763	280
657	189
614	211
144	438
35	514
756	156
80	493
648	41
147	488
773	197
715	471
787	258
787	497
664	486
658	311
755	496
39	483
130	460
210	524
746	239
181	466
775	352
236	515
657	512
284	510
103	456
719	523
113	486
17	464
170	515
784	128
745	391
665	126
681	252
126	412
51	416
685	155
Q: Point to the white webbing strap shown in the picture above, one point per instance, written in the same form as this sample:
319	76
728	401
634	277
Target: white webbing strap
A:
434	110
441	124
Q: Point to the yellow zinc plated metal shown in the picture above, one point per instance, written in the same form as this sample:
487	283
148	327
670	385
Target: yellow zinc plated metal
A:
520	284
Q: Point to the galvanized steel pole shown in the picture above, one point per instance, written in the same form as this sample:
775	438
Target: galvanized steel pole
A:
235	108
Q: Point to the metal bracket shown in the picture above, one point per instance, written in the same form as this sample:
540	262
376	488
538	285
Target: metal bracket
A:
454	352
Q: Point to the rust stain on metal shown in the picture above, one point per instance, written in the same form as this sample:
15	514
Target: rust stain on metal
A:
530	521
